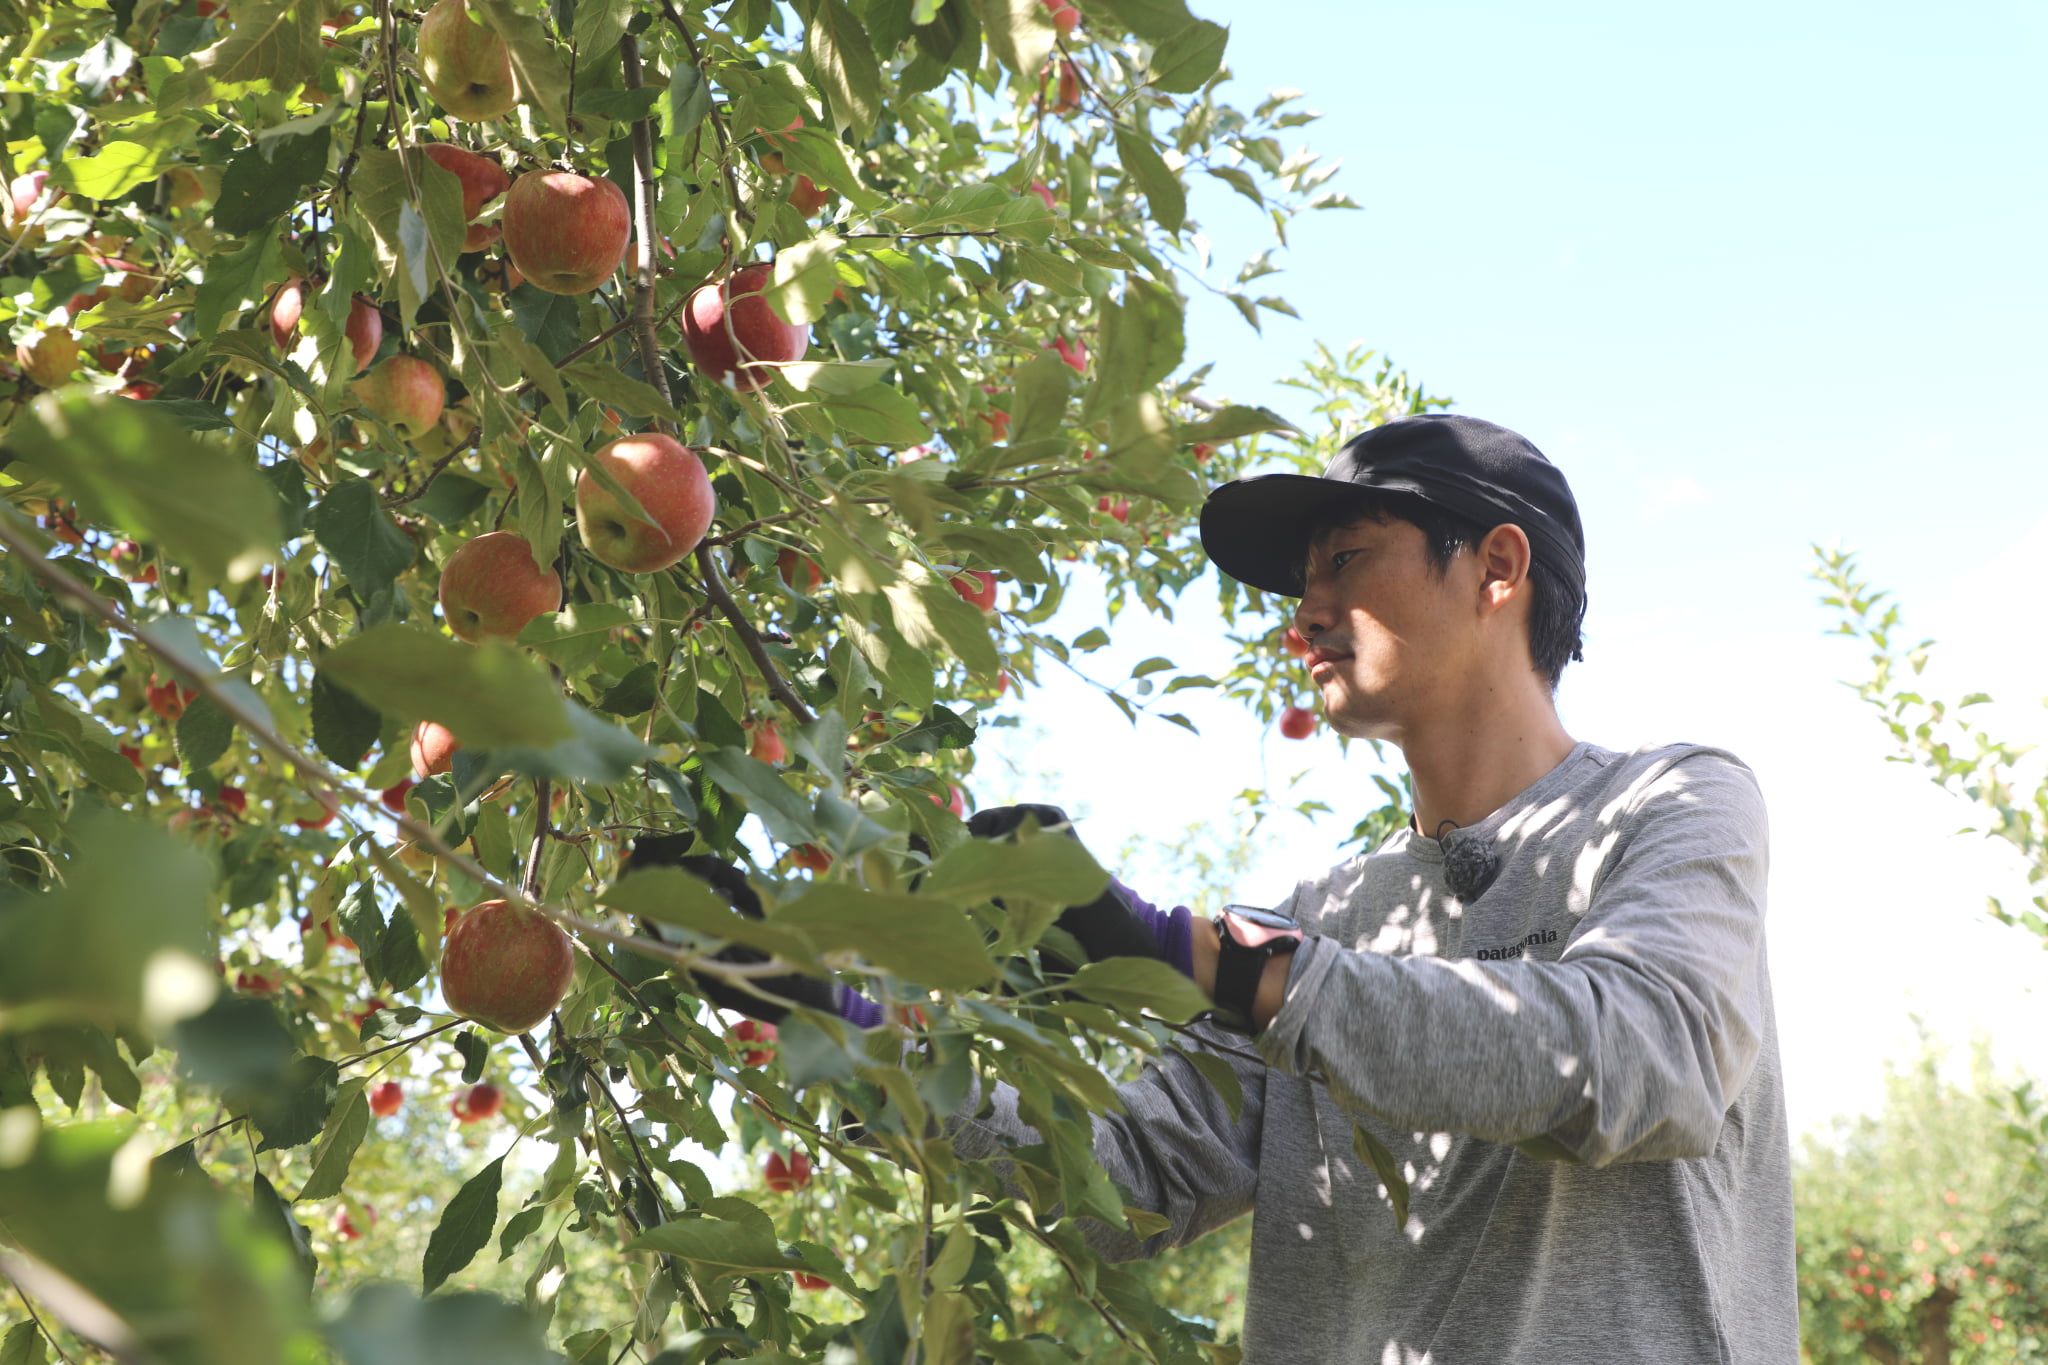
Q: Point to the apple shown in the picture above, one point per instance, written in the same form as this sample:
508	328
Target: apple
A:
756	1042
805	1280
1043	191
673	489
126	558
977	586
168	699
256	983
483	180
998	425
132	754
468	68
506	966
53	359
1065	17
493	586
767	746
565	232
955	801
806	198
1069	99
287	306
783	1176
393	796
385	1098
810	858
141	389
320	821
1074	352
186	187
479	1102
433	749
344	1226
231	801
1203	453
789	563
62	524
730	320
370	1006
406	392
364	330
1297	722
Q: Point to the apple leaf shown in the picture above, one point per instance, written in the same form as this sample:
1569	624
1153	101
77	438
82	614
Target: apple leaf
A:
464	1228
360	537
1163	191
1141	343
946	1331
277	41
722	1248
23	1345
491	696
1156	21
573	637
844	67
1135	983
919	938
1050	269
345	1129
203	734
834	378
1232	422
689	100
386	1324
1141	437
603	381
1049	868
781	809
596	751
385	183
669	895
1184	63
825	159
1019	33
293	1112
804	279
126	466
1221	1078
343	728
962	625
262	183
536	65
1038	397
1374	1153
110	172
879	414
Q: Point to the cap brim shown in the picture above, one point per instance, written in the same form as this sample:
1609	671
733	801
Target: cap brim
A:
1256	529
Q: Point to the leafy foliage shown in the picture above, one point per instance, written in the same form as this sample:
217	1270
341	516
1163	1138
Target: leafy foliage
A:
219	217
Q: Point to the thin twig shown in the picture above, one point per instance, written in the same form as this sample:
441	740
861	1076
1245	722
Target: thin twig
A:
750	639
40	1327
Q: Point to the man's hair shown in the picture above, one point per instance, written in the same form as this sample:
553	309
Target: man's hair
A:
1557	615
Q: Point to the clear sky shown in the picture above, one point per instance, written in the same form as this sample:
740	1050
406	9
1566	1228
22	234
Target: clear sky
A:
1754	277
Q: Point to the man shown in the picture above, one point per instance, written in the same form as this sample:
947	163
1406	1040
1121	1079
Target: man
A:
1547	997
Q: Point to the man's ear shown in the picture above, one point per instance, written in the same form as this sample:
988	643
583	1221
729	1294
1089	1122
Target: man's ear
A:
1504	558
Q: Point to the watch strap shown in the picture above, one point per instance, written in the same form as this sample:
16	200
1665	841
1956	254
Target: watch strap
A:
1240	967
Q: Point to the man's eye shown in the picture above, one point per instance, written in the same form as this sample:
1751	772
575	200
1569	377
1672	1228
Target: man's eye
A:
1341	558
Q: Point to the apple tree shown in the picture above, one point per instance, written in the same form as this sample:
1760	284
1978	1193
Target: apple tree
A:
447	445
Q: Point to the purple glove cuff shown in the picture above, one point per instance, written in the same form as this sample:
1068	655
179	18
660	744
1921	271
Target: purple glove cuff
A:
857	1010
1175	929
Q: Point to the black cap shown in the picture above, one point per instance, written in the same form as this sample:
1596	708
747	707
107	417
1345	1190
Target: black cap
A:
1256	529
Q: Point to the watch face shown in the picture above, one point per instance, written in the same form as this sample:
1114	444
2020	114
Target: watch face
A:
1268	919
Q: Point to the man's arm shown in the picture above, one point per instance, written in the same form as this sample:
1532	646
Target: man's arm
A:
1630	1047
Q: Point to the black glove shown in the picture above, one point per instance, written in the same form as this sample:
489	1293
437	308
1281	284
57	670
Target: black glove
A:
1108	926
667	850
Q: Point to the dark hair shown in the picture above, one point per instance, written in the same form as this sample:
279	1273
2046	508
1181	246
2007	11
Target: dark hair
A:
1557	615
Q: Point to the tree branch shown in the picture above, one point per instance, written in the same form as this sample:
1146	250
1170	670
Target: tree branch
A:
750	639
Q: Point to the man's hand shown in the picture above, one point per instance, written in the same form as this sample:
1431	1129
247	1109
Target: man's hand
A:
1116	923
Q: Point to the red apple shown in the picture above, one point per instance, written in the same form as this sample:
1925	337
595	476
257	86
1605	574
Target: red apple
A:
977	586
231	801
506	966
566	233
783	1176
810	858
727	322
492	586
1074	352
344	1226
789	564
406	392
433	749
132	754
673	489
1069	99
287	306
364	330
768	745
168	699
142	390
955	801
998	425
468	68
256	983
1043	191
1065	17
385	1099
126	557
805	1280
393	796
1203	453
806	198
483	180
25	191
477	1103
756	1042
1297	723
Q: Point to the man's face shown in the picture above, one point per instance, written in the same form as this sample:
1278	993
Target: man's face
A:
1392	641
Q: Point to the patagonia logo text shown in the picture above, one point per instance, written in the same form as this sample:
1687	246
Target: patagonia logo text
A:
1516	949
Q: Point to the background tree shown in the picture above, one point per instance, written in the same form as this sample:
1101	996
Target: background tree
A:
323	318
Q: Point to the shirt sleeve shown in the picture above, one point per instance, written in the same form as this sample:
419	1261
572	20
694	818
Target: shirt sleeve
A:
1175	1149
1629	1047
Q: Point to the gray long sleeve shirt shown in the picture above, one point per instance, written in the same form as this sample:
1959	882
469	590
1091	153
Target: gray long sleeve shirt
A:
1576	1069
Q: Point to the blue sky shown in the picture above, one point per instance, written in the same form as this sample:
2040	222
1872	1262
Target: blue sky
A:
1754	278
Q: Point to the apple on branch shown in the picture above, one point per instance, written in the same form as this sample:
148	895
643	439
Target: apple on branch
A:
406	392
364	331
483	180
728	322
506	966
1297	722
673	489
566	233
433	749
468	68
493	586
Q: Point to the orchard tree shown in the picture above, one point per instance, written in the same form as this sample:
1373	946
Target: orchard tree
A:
448	446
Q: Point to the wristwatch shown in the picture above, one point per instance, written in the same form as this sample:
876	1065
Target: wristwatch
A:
1246	939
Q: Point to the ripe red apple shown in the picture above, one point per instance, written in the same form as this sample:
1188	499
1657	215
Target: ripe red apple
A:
566	232
344	1226
141	390
673	489
168	699
433	749
768	745
1203	453
506	966
406	392
364	330
955	802
287	306
977	586
1297	723
468	67
757	1042
126	557
231	801
1065	17
1074	352
1069	99
256	983
783	1176
393	796
385	1098
731	321
477	1103
1043	191
998	425
810	858
492	586
806	198
789	564
483	180
1119	509
133	755
805	1280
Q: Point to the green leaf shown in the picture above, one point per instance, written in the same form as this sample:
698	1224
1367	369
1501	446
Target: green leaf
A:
669	895
719	1247
1020	33
834	377
596	751
343	728
1221	1078
825	159
234	282
1142	342
844	65
127	467
265	182
919	938
1375	1154
238	1045
1156	21
111	172
518	1228
536	63
879	414
603	381
1038	398
293	1112
1141	437
937	729
805	276
947	1329
277	41
1233	422
464	1228
573	637
1162	188
344	1132
384	184
1054	869
1134	983
781	809
689	100
203	734
385	1324
23	1345
490	696
1184	63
